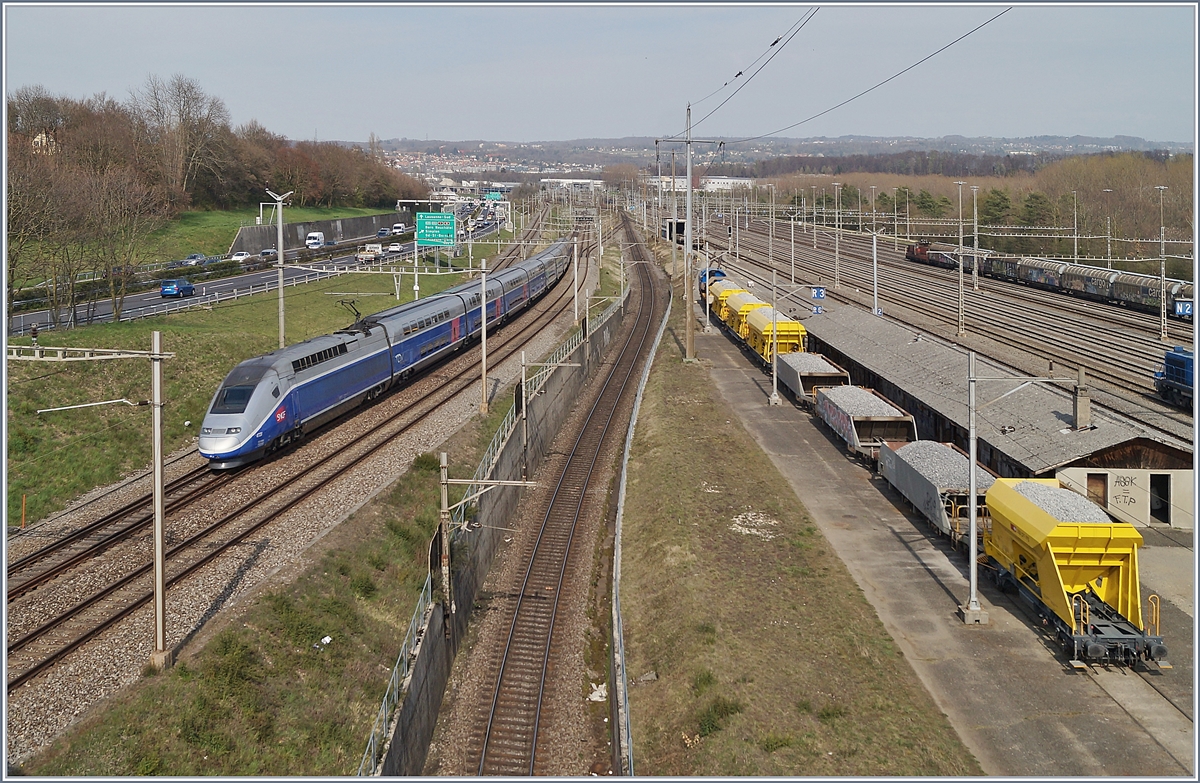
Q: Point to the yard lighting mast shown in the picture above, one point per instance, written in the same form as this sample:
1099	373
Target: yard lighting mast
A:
962	302
279	257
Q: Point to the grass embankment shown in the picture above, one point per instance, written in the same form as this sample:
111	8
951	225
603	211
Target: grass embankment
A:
212	232
264	697
54	457
769	659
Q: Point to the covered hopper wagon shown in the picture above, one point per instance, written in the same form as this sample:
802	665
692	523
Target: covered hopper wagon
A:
1077	567
864	418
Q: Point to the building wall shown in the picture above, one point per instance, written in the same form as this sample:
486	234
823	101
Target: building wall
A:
1128	493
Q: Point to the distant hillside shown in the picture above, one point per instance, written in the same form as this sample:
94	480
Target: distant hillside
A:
640	149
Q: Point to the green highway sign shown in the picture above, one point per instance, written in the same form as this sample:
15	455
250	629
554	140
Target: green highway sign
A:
436	229
494	196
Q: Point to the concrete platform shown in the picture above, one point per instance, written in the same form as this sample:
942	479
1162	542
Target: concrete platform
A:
1005	685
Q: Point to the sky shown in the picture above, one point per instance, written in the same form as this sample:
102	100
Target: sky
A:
504	72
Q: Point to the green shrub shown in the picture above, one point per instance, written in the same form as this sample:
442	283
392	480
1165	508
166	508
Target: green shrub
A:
363	586
703	680
427	462
713	718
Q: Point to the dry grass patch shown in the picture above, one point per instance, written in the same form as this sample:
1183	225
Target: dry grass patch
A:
769	659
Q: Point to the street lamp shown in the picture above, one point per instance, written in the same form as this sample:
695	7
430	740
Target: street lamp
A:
962	302
837	234
1162	264
279	200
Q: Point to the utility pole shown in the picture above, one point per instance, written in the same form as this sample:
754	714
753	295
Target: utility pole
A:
962	301
1162	264
483	404
775	399
975	234
674	213
689	317
837	235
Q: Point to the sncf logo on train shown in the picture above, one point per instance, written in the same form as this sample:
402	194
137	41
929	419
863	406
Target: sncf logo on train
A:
281	414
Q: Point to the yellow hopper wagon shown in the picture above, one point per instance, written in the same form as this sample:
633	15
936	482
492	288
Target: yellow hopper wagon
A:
1076	566
762	322
719	293
738	307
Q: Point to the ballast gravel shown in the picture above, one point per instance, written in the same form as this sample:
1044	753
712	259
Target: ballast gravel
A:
807	362
1062	504
857	401
943	466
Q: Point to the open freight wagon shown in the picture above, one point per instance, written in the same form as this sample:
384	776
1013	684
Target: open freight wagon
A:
864	418
933	477
803	373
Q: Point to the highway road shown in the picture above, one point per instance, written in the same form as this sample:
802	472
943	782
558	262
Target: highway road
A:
150	302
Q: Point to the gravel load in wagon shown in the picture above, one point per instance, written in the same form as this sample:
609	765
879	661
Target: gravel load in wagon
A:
808	362
943	466
857	401
1062	504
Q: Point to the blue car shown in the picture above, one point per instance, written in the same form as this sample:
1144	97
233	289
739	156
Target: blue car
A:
177	288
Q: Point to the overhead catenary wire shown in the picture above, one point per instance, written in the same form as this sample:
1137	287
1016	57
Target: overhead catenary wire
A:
788	34
876	86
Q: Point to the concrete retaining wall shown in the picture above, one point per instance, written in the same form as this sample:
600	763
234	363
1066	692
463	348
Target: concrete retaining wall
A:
252	239
473	553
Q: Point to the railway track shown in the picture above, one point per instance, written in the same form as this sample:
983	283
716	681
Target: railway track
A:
39	639
508	739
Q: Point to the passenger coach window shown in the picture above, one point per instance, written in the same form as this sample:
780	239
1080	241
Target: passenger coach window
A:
232	399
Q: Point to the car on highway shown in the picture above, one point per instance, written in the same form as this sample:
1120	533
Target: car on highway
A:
394	247
195	259
240	256
176	288
267	253
383	232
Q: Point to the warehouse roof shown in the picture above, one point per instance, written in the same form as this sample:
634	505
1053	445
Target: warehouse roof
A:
1033	426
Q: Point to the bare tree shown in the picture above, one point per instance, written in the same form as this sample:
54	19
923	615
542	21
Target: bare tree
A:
124	210
28	208
181	126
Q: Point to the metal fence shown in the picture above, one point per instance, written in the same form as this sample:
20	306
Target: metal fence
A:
383	720
20	324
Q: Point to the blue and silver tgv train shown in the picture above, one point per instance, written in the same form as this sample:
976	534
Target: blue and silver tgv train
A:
274	399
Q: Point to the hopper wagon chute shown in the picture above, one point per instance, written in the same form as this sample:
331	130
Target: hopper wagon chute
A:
1076	566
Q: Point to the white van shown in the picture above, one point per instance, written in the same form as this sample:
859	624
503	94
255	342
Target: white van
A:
314	240
398	228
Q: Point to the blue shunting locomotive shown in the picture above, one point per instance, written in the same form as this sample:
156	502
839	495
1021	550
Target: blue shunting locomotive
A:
1174	381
